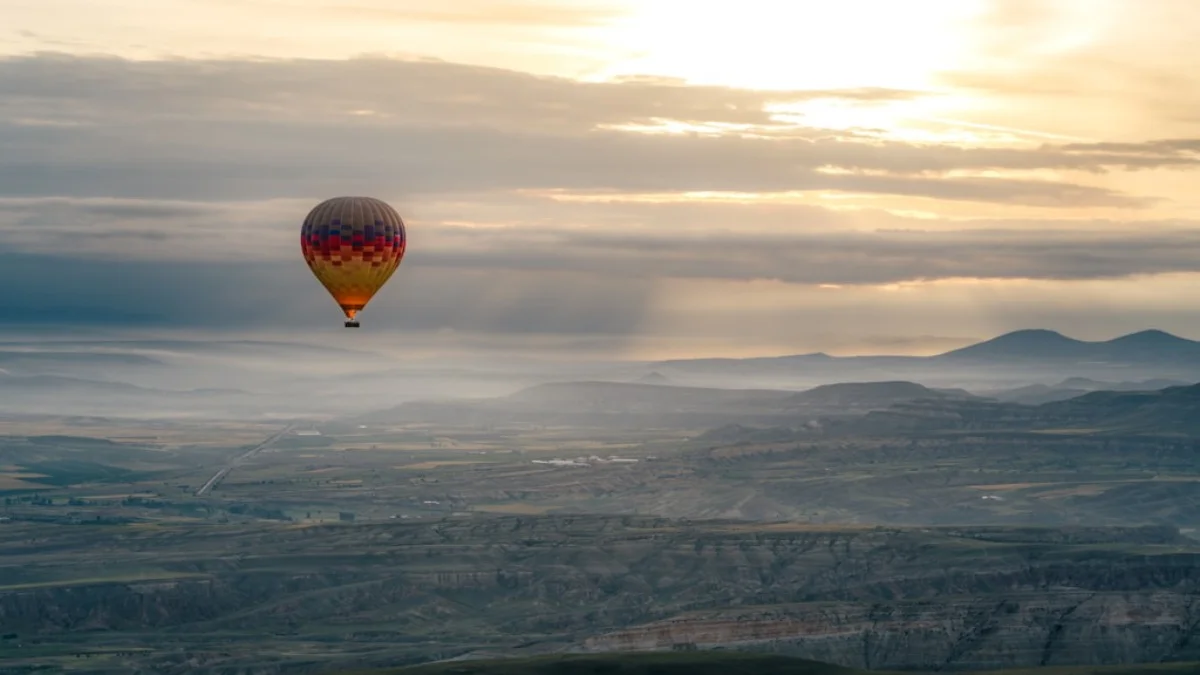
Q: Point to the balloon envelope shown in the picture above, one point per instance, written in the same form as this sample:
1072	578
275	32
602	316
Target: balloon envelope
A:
352	245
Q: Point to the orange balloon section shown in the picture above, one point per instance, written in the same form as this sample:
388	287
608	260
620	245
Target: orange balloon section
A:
352	245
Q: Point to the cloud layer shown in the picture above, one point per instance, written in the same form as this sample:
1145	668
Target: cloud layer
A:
246	130
169	193
800	245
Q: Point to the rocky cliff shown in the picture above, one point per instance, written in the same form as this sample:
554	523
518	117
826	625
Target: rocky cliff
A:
281	598
949	633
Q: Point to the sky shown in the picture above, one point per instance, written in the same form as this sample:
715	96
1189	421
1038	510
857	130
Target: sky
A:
609	178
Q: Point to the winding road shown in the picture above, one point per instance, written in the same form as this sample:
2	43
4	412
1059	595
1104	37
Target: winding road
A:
254	450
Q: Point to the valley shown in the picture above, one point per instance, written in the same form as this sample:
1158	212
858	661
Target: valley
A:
879	525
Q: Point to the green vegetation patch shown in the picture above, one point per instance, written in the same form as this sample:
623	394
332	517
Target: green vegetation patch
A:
72	471
131	578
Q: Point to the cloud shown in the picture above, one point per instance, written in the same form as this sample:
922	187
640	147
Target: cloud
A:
880	257
212	130
385	91
1103	68
799	244
430	308
262	161
608	281
481	12
168	193
1180	148
141	294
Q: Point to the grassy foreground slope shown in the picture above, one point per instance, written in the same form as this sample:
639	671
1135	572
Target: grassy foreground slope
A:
1143	669
720	663
657	663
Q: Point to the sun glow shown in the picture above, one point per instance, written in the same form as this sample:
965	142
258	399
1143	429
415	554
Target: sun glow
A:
798	44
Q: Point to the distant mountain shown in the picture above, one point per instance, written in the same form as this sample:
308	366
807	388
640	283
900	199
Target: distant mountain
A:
654	378
1150	345
1022	344
1036	394
871	394
1088	384
1008	361
1072	387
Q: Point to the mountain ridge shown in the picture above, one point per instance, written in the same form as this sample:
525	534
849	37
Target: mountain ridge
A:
1040	343
1011	360
1012	342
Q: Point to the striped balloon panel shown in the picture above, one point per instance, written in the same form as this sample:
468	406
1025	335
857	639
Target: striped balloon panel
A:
353	245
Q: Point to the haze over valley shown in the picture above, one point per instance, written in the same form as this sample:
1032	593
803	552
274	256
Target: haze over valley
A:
600	337
252	378
424	511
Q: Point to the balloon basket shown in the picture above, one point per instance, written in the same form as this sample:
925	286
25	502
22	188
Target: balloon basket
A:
351	324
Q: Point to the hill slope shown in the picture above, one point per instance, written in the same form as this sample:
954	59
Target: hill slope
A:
724	663
253	597
668	663
1172	411
636	404
1072	387
870	394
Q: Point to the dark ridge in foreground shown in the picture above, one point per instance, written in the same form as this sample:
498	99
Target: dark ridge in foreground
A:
258	599
719	663
655	663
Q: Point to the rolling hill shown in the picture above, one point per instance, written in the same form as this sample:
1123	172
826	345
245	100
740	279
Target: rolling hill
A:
722	663
70	386
1173	411
1072	387
1170	410
654	663
872	394
639	404
31	394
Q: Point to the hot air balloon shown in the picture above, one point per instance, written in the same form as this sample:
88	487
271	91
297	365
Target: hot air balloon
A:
352	245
